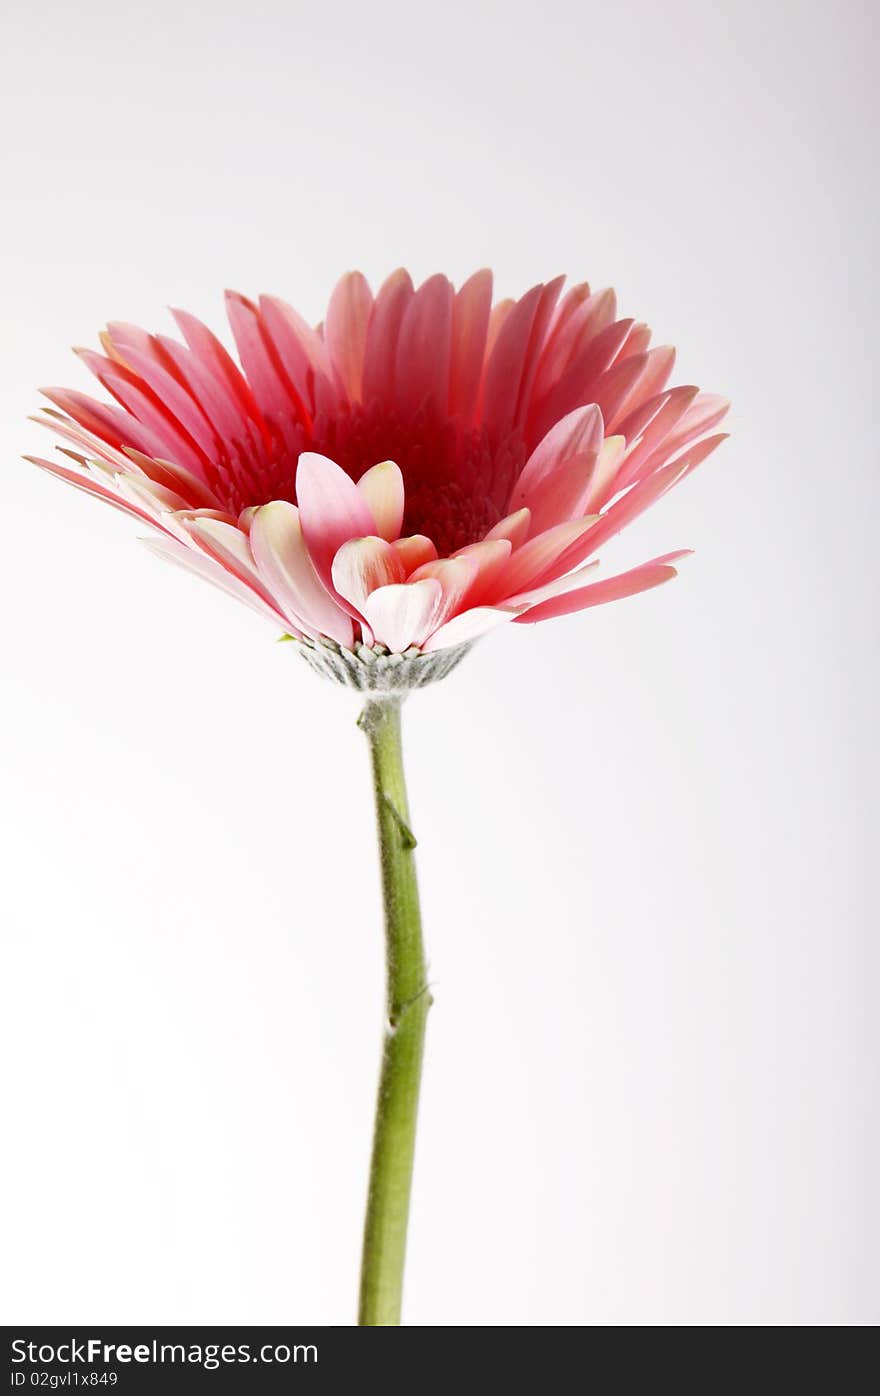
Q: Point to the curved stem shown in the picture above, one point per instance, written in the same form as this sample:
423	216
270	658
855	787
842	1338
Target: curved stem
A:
407	1004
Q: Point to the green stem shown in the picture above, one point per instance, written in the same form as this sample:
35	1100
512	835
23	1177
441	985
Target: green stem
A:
407	1004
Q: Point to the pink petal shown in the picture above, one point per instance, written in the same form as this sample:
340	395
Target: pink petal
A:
222	367
229	547
705	412
622	512
345	331
158	498
403	615
634	425
630	505
489	558
511	369
528	564
470	625
566	308
470	325
603	483
382	488
487	552
515	527
577	434
85	440
262	373
84	482
659	363
364	564
638	341
562	494
423	347
331	509
113	425
577	385
537	339
174	477
504	368
154	413
648	426
415	550
569	336
179	521
497	319
302	355
278	546
456	575
216	400
570	582
631	381
170	550
612	589
146	357
383	332
696	453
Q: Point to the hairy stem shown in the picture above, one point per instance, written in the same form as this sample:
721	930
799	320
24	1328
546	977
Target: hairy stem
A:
407	1002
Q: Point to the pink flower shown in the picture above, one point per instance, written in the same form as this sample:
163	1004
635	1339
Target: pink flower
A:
423	467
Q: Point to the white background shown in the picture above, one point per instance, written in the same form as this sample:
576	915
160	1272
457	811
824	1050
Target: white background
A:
647	833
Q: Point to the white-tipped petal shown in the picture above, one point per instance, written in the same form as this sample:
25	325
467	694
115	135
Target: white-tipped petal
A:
403	615
364	564
170	550
280	552
470	625
382	488
332	510
456	576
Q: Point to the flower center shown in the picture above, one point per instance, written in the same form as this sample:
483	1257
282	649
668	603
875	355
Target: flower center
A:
448	515
457	483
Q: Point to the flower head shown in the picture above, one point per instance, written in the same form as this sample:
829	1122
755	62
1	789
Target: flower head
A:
421	468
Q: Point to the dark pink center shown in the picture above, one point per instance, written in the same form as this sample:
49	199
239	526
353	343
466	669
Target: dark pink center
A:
457	482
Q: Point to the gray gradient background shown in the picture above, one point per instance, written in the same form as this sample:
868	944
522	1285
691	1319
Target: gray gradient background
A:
647	834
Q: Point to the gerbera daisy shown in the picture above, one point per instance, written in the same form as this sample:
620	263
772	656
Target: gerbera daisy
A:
386	488
421	468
